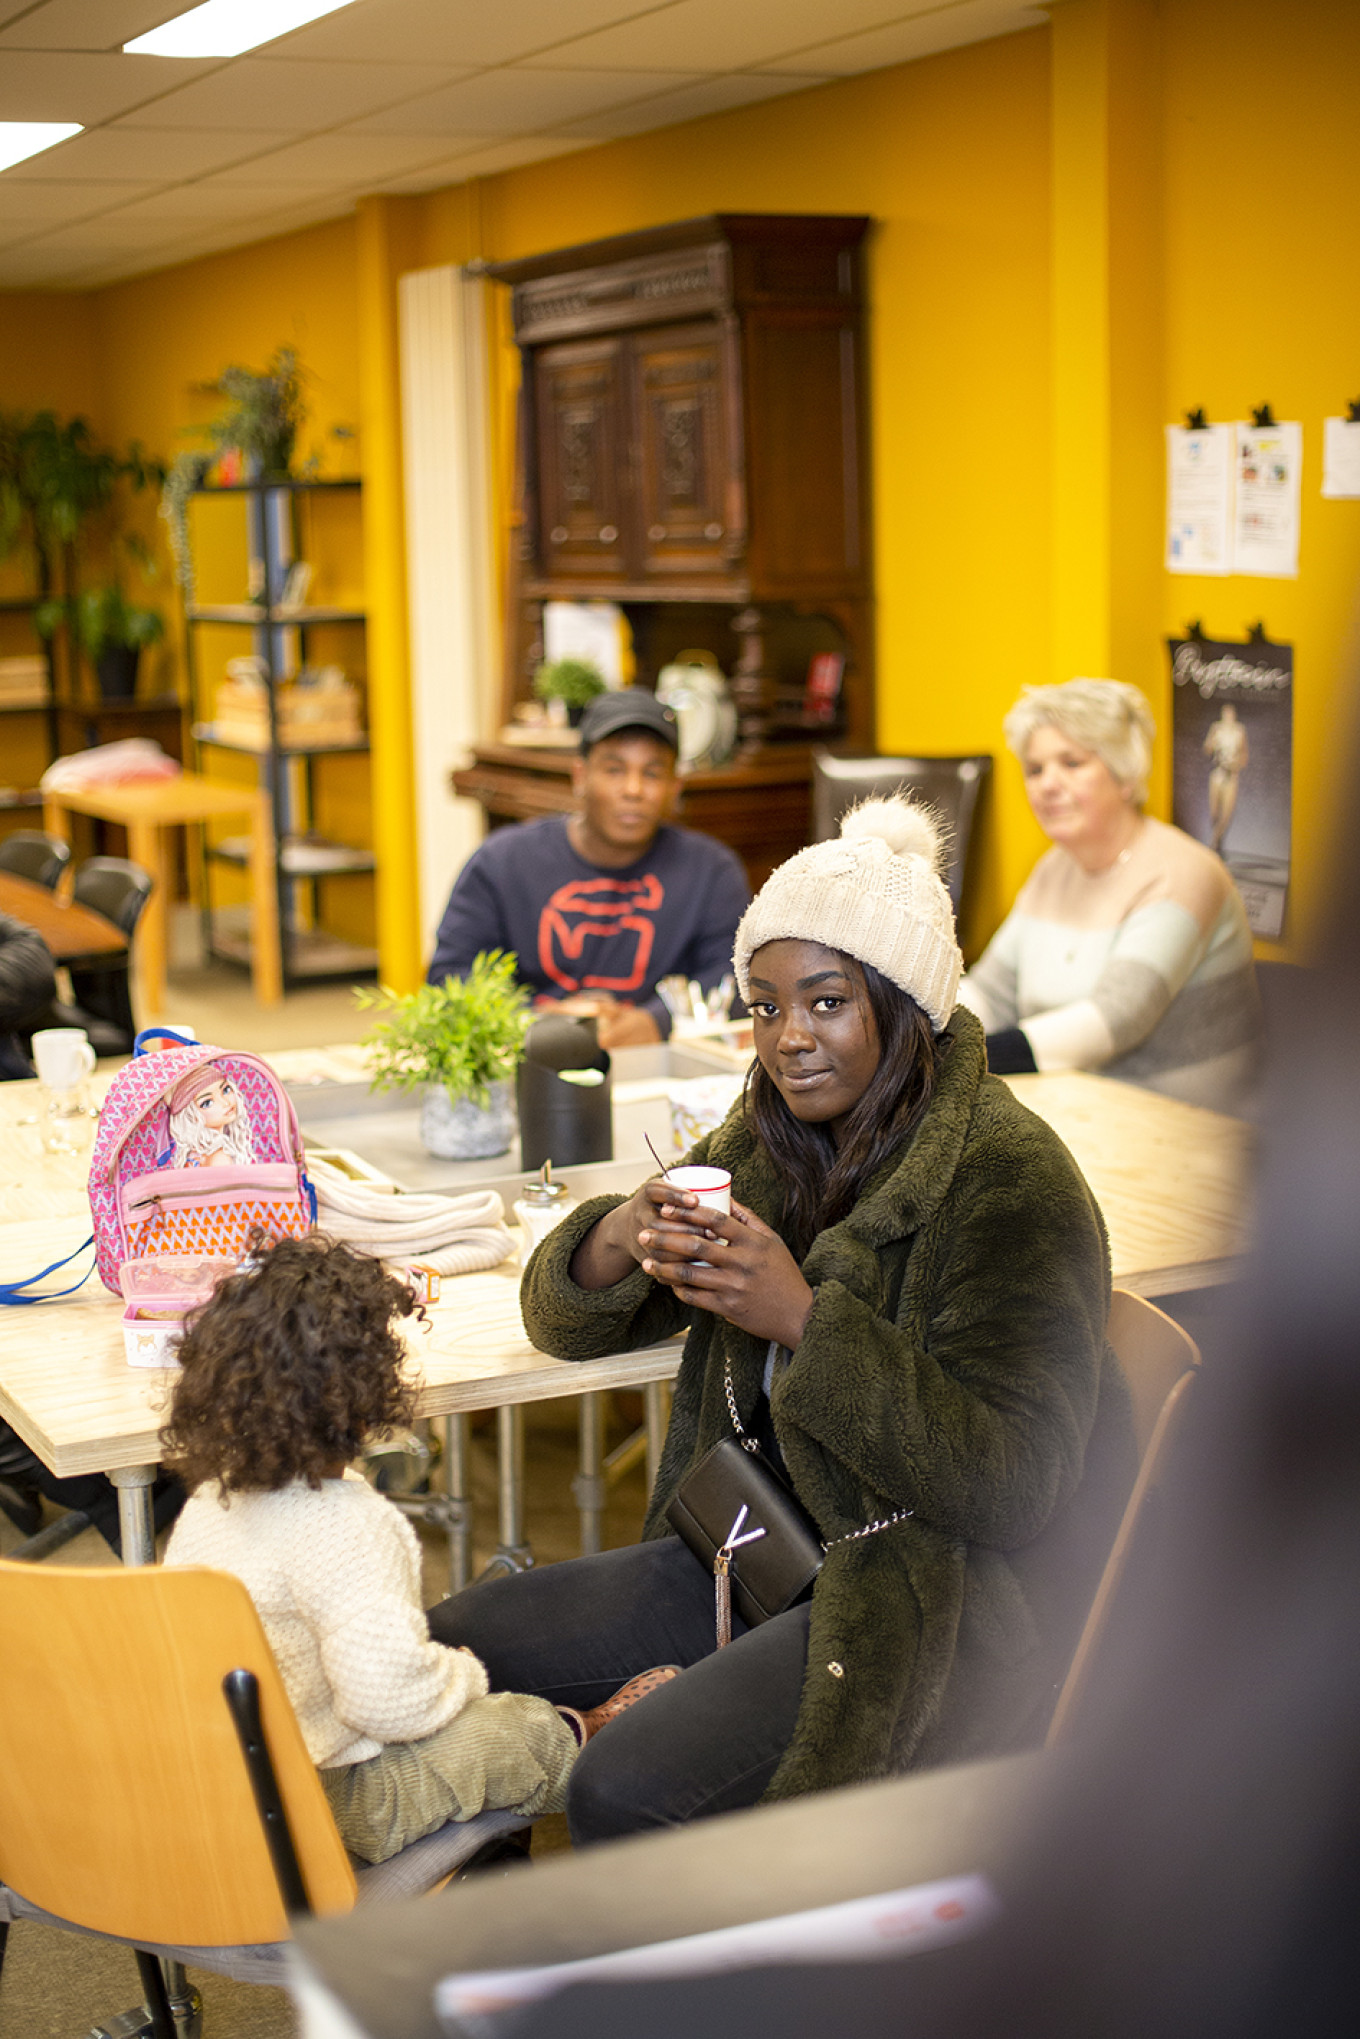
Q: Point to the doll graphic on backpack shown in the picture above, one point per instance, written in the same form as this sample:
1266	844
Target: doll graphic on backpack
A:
208	1122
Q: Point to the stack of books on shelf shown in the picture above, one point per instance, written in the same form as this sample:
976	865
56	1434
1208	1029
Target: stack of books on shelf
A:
23	682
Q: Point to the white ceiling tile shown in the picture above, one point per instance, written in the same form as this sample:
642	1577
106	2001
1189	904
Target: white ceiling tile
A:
453	31
710	95
83	24
31	200
97	239
55	85
514	101
288	97
723	36
476	157
344	157
181	204
946	28
161	154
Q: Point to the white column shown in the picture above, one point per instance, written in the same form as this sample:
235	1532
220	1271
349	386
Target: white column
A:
450	564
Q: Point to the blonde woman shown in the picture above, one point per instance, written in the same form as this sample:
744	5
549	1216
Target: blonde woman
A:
1128	949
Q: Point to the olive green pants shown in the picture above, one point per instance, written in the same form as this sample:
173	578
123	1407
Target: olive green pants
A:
508	1750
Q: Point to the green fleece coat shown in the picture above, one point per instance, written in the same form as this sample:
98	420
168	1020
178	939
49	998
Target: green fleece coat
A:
955	1364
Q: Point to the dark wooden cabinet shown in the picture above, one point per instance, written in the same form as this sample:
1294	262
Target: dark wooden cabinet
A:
692	446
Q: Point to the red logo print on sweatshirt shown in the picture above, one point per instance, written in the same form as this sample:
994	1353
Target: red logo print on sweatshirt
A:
595	909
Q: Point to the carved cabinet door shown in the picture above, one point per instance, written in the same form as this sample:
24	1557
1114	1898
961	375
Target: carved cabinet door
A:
690	513
579	392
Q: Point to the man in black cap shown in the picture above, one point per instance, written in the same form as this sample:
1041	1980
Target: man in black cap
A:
601	905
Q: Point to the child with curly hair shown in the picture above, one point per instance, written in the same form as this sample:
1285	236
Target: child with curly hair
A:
290	1366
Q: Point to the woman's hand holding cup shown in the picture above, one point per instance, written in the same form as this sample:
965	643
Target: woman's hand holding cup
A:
744	1272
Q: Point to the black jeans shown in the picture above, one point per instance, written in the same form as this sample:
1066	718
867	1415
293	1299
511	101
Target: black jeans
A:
708	1742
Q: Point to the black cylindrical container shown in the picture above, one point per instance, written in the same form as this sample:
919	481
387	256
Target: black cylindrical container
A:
565	1101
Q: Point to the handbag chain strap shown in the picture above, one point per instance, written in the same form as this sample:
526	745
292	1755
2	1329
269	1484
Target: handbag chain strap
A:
749	1444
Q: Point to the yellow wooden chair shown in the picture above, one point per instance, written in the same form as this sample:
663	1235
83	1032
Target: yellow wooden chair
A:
1160	1361
155	1788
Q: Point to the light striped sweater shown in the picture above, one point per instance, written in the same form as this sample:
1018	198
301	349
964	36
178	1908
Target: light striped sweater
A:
1143	971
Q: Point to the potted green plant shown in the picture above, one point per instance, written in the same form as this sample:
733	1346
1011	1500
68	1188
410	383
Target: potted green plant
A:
573	681
111	631
458	1044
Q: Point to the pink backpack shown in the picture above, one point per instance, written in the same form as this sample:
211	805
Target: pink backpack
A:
196	1180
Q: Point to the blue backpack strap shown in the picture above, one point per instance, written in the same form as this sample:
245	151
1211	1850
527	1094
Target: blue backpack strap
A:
9	1290
150	1039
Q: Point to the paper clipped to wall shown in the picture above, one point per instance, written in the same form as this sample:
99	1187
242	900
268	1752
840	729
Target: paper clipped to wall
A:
1232	499
1340	457
1266	474
1199	479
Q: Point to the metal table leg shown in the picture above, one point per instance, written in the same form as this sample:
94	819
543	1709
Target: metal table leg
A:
590	1488
135	1520
459	1501
512	1552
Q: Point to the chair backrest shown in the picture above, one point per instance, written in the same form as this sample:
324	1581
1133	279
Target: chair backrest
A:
114	887
125	1803
1160	1361
28	853
951	785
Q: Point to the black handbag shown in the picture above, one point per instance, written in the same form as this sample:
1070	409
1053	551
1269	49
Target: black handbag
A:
745	1525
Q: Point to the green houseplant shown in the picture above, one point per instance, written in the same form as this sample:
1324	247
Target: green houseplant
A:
459	1044
573	681
111	631
264	411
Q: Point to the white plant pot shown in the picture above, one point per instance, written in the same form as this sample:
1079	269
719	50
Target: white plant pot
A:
459	1130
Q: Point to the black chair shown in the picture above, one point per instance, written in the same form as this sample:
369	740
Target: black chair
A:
118	890
30	854
951	785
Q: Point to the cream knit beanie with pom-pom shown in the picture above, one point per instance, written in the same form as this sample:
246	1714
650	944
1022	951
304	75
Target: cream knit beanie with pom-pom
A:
875	894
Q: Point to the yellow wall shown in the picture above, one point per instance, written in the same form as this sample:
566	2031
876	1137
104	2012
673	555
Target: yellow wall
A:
1083	230
1263	304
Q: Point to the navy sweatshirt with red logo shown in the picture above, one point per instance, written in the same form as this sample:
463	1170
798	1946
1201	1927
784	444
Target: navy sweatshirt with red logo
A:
577	928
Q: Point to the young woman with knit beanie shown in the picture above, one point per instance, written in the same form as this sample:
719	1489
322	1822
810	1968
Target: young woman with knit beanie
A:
906	1308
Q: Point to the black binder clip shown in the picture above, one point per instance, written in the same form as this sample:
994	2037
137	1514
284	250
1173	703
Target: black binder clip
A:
1195	632
1256	633
1265	417
1195	421
1354	408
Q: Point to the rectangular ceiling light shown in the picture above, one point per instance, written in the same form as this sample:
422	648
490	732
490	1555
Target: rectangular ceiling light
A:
20	139
223	28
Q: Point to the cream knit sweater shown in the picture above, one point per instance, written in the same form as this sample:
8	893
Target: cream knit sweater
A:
334	1574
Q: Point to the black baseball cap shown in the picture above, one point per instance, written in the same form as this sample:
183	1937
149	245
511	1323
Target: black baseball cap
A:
629	708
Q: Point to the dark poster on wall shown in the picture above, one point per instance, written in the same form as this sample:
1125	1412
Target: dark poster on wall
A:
1232	763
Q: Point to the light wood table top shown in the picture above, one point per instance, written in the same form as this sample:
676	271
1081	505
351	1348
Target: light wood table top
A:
68	930
1171	1179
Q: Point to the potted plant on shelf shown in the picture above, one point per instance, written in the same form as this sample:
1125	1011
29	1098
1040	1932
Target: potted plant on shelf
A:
111	631
572	681
256	433
459	1044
